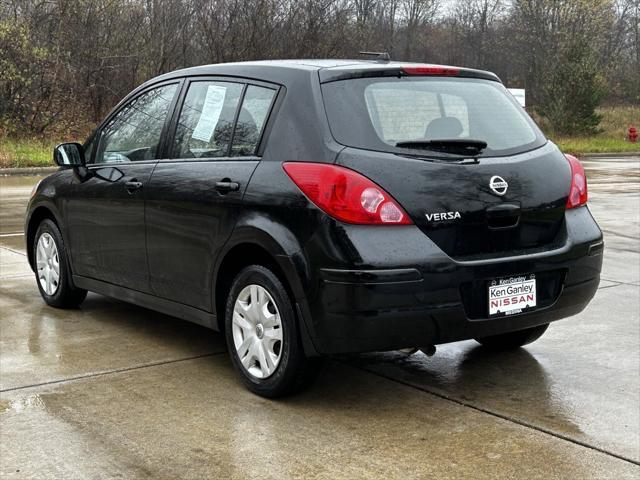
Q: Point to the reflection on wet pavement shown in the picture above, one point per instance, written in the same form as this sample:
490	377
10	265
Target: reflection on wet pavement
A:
193	420
114	390
14	195
581	378
614	200
41	344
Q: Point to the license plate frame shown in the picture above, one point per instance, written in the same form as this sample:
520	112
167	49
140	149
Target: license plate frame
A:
511	295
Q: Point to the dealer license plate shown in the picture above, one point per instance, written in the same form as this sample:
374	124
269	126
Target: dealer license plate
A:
508	296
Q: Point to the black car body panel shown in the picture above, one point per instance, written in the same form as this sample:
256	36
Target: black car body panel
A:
169	244
536	200
406	291
188	222
106	225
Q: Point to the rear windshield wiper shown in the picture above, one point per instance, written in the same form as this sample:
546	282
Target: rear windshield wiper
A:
463	146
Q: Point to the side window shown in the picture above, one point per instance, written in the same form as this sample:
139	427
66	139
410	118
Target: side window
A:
205	125
89	147
133	134
253	115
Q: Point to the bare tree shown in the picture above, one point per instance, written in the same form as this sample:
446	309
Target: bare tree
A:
64	63
416	14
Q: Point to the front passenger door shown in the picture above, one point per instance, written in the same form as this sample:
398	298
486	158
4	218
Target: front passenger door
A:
105	213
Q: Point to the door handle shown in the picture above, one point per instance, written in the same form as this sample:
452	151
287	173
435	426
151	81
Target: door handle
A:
132	185
226	186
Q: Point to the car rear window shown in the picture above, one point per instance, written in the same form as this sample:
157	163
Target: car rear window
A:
378	113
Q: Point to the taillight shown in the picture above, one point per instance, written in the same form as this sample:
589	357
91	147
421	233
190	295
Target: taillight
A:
578	192
430	70
346	195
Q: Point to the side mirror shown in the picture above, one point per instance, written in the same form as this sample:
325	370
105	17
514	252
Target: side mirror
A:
69	155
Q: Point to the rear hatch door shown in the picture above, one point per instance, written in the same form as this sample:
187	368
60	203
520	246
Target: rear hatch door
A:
455	206
406	132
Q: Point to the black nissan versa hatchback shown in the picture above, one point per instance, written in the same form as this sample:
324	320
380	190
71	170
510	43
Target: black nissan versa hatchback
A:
307	208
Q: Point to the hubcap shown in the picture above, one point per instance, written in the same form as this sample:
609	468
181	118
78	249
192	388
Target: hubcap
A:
257	331
48	264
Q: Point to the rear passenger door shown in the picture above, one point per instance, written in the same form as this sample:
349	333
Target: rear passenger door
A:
194	196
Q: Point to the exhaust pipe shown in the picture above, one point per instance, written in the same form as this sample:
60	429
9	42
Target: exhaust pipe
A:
429	351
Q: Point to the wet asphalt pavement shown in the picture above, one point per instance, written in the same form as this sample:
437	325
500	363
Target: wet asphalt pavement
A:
116	391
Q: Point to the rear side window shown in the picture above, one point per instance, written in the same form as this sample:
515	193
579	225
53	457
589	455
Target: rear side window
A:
205	125
134	133
378	113
256	106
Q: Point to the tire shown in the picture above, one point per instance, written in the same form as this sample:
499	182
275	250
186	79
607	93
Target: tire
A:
60	292
513	340
264	344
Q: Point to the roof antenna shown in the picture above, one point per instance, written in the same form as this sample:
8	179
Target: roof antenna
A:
380	56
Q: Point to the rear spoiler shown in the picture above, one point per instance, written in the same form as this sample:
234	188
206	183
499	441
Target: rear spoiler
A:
397	69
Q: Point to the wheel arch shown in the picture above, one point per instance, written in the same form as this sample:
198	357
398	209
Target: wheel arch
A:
38	214
250	245
238	257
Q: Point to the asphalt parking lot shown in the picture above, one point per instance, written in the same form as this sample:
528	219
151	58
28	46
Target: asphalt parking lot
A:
116	391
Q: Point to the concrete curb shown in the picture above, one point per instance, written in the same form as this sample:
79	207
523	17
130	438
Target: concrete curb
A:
28	170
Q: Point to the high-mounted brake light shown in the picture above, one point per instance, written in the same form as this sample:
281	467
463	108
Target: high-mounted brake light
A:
346	195
578	192
430	70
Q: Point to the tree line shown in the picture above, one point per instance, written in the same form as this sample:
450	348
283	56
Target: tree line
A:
65	63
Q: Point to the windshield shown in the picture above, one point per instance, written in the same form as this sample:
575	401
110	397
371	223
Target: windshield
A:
406	114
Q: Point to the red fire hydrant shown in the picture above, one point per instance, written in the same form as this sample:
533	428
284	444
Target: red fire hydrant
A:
633	134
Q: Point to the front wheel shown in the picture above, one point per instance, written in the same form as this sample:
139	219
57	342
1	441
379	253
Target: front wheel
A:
53	275
512	340
263	337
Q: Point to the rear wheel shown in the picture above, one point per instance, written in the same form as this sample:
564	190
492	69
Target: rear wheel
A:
512	340
52	269
263	337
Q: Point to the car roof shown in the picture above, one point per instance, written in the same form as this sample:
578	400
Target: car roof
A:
280	71
290	64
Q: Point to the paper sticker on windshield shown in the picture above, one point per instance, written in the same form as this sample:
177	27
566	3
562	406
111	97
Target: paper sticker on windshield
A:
211	110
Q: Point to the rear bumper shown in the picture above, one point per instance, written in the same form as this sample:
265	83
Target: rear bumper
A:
418	324
430	298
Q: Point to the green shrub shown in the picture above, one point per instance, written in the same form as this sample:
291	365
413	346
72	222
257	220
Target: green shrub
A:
573	89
